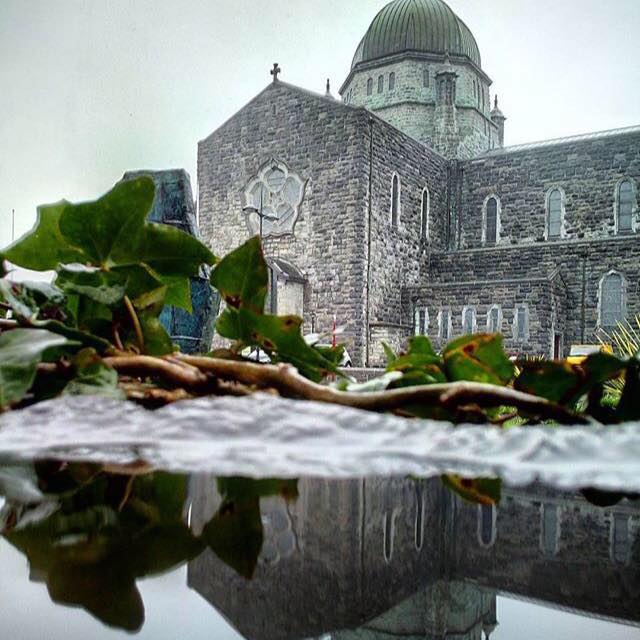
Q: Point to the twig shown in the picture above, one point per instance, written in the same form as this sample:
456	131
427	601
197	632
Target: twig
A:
290	383
135	321
116	337
148	366
7	325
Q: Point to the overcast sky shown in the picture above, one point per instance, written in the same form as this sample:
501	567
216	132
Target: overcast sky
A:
92	88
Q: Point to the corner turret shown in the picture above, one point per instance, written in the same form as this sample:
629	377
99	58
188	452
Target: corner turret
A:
498	118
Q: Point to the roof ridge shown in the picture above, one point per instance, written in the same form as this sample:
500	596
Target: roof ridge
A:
593	135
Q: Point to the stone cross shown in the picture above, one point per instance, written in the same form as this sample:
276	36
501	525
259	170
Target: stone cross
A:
275	71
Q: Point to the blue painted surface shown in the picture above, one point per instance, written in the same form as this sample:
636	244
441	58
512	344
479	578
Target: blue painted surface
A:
173	204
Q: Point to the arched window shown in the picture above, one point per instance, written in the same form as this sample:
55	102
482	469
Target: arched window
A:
468	320
494	320
420	321
395	200
491	221
624	223
611	301
486	524
416	321
380	84
554	214
426	80
392	81
370	86
424	214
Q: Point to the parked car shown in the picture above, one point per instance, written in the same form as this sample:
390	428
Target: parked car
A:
579	352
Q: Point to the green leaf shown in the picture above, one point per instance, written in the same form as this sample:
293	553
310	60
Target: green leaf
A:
20	352
478	358
242	277
389	354
279	336
486	491
93	377
156	339
563	382
239	489
77	336
375	384
44	247
29	300
105	287
110	232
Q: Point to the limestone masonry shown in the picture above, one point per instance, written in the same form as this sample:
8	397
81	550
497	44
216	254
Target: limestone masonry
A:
398	210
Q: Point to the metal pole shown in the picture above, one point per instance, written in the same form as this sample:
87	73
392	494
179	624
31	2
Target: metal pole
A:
260	234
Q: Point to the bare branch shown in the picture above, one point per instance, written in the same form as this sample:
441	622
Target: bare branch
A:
148	366
289	383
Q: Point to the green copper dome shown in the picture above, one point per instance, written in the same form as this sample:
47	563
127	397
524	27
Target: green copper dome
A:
426	26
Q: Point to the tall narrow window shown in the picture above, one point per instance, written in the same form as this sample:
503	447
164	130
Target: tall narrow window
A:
424	215
491	227
493	320
370	86
486	524
416	321
611	301
554	227
625	207
444	324
426	80
549	537
380	84
521	323
475	91
468	320
620	538
392	81
424	325
395	200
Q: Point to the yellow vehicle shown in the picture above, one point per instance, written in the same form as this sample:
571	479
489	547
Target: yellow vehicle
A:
579	352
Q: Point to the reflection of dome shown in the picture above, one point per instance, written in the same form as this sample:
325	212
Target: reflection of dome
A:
426	26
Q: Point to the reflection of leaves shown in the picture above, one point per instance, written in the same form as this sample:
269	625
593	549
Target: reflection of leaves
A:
103	531
235	535
21	350
93	377
479	491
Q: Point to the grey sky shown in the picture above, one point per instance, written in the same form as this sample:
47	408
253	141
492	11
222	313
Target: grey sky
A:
92	88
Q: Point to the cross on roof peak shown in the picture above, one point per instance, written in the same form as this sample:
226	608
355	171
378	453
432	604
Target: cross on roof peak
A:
275	71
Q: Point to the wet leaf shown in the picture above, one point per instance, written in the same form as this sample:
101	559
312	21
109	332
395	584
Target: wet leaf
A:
485	491
105	287
21	350
93	377
478	358
279	336
242	277
29	300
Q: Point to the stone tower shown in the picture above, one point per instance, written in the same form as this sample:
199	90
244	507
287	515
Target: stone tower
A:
418	67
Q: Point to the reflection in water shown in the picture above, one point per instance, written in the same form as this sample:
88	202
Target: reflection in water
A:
373	558
383	558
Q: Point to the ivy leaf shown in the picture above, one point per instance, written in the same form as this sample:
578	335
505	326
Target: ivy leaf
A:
157	341
486	491
21	350
565	383
478	358
44	247
93	377
110	232
105	287
29	300
242	277
388	353
279	336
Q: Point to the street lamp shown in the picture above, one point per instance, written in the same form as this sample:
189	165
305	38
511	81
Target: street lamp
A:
261	216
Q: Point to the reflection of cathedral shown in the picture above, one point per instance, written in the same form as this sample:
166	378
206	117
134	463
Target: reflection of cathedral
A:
379	558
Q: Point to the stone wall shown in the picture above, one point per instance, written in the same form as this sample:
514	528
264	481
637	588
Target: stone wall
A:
323	142
587	170
581	265
411	106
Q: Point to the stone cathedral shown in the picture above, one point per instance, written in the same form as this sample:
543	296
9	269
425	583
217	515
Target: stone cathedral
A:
399	210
